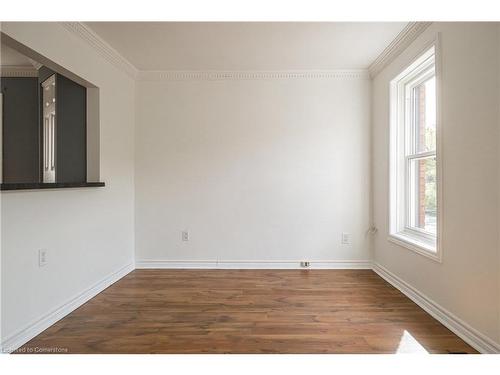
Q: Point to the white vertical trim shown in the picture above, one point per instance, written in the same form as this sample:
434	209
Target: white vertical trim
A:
396	140
439	144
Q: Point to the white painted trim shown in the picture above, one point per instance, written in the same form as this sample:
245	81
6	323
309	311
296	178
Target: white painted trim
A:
35	64
250	75
395	223
85	33
82	31
470	335
473	337
160	264
18	71
401	42
415	246
398	45
37	326
251	264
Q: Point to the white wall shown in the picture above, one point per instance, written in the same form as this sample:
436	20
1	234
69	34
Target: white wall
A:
260	170
88	232
466	282
498	103
256	170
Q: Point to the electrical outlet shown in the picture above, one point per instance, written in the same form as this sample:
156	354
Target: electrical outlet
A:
42	257
346	238
185	235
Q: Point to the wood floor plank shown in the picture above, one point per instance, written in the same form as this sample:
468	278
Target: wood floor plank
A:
249	311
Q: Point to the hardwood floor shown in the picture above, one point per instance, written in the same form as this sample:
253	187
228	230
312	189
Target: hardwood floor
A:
249	311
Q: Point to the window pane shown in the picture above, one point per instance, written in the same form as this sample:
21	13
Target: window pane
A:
423	193
425	115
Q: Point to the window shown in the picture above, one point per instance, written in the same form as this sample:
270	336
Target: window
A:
414	158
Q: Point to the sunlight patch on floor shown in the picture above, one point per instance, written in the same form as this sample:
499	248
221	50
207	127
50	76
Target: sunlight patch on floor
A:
408	344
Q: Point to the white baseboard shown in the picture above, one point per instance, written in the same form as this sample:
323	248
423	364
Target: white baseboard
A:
160	264
36	327
474	338
251	264
470	335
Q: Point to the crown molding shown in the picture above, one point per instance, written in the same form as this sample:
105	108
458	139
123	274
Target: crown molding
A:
35	64
18	71
103	48
400	43
249	75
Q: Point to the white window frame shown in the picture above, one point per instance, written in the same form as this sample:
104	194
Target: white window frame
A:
424	66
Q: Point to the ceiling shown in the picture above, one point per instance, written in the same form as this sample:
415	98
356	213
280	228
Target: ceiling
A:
248	45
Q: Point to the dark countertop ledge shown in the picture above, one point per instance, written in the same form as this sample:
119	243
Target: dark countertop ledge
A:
42	185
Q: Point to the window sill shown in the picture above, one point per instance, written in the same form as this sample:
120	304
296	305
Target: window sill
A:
423	248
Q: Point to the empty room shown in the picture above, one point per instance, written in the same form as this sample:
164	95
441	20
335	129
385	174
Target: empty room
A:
245	187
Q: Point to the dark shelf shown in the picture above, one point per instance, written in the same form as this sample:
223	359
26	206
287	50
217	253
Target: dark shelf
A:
42	185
